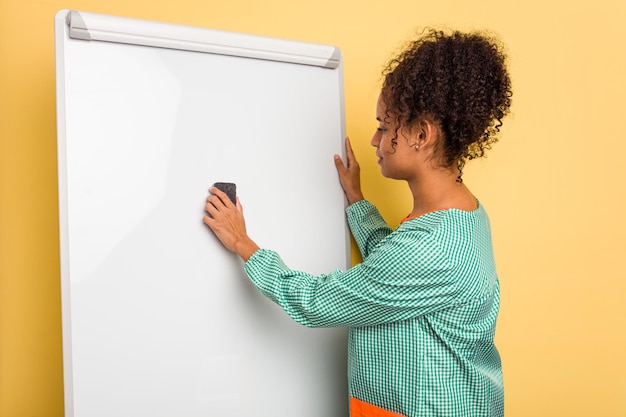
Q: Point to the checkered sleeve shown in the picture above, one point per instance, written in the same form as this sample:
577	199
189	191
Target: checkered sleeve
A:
367	226
403	278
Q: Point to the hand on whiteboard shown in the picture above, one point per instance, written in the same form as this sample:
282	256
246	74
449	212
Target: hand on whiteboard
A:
350	175
227	222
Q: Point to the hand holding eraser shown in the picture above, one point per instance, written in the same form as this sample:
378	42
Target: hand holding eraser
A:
229	188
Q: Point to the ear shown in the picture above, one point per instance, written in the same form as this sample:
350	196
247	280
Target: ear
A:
424	133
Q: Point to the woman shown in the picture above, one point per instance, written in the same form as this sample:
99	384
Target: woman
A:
421	308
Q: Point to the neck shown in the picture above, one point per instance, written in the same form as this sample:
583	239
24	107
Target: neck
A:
439	189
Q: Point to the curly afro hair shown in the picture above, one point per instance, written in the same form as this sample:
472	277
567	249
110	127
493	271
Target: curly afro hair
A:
458	81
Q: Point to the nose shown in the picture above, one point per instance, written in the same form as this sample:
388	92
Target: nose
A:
375	141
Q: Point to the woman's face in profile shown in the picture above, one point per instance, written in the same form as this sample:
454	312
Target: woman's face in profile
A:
396	157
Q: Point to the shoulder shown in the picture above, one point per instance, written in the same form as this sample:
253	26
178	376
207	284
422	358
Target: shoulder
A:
449	226
461	237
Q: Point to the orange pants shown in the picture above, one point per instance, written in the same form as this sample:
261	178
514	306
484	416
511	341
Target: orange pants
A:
360	408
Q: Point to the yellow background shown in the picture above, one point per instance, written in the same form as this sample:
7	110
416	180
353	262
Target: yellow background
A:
554	186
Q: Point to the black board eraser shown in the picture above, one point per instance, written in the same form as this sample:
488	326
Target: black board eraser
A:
229	188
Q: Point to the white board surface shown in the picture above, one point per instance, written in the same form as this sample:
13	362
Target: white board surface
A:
158	318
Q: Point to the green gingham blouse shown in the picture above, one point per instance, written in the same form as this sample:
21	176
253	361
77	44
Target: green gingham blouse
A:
421	310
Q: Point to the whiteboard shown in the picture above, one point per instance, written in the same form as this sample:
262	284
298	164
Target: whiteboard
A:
158	318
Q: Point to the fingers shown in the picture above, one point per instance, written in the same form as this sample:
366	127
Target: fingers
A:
349	152
217	203
339	165
208	221
351	161
221	197
210	205
349	174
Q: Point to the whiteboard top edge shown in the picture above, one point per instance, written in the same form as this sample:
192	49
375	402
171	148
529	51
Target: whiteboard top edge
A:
88	26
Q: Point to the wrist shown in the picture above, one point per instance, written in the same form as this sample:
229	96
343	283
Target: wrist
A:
353	198
245	248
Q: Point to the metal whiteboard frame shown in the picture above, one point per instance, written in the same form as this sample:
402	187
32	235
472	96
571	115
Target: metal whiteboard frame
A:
89	26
